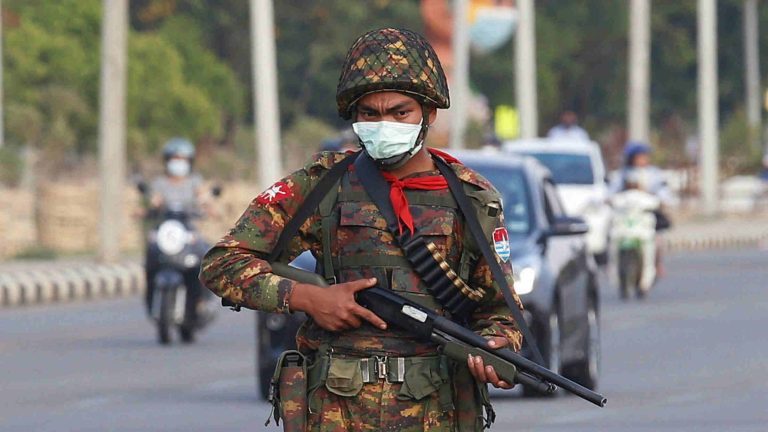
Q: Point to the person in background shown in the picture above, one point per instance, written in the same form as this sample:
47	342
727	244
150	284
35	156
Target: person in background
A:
637	158
568	128
648	177
178	189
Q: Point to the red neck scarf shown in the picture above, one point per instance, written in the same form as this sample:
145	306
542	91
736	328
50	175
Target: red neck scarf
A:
399	200
398	186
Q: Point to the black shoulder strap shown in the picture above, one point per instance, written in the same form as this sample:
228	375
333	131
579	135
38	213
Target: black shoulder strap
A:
310	204
443	283
454	184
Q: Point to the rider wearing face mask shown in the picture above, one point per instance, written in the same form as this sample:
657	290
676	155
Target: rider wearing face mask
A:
180	188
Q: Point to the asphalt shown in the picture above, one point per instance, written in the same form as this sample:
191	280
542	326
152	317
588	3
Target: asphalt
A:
690	357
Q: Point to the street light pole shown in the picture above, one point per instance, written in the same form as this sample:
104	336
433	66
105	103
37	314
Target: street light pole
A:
114	35
2	105
752	71
708	116
525	70
460	75
265	103
639	70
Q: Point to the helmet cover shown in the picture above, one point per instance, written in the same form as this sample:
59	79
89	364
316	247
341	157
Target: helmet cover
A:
391	59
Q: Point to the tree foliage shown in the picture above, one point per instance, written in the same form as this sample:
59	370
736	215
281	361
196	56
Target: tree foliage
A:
190	66
52	58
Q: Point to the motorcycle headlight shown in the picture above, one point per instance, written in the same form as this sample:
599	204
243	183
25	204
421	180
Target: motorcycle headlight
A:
524	280
172	236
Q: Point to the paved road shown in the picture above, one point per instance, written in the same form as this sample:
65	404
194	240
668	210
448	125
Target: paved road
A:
690	358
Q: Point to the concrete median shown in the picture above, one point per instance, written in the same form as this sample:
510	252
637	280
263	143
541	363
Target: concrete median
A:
54	282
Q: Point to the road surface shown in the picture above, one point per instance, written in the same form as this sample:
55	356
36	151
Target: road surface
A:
692	357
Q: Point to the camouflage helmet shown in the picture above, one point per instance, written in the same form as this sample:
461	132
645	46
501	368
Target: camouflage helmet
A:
391	59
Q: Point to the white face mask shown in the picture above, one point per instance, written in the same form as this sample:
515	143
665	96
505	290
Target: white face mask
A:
385	139
178	167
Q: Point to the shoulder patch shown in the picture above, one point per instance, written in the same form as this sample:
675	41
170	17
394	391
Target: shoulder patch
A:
277	192
501	243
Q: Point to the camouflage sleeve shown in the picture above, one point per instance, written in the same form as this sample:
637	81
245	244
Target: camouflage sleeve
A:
236	267
493	317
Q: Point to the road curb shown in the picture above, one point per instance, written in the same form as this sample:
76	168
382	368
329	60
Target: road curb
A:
46	284
723	241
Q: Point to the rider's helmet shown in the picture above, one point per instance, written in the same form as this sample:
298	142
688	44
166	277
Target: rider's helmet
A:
178	155
178	148
633	149
391	59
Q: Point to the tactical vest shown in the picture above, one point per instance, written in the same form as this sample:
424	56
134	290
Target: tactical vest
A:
357	244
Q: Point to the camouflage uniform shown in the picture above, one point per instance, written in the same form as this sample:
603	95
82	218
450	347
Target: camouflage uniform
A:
444	396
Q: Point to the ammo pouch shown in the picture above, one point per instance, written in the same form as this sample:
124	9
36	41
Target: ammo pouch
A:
288	391
420	376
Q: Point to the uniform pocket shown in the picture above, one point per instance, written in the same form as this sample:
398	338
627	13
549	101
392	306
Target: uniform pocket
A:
344	377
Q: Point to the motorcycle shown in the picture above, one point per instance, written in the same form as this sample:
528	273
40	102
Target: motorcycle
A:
176	300
633	241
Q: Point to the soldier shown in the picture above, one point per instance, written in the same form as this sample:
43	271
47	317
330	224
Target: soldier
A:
391	85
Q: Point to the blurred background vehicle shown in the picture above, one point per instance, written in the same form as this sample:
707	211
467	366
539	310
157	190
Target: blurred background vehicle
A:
555	275
174	249
578	171
634	239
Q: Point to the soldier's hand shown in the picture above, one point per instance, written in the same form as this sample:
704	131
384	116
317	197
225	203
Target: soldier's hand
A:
334	308
485	373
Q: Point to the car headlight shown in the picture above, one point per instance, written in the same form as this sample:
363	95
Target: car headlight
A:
524	280
172	236
276	321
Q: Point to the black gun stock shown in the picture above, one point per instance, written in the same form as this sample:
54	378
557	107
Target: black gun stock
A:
455	341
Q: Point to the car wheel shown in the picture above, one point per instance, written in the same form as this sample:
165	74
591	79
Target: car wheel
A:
548	338
587	370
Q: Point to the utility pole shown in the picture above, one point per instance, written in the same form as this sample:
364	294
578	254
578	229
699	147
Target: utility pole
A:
2	105
639	70
525	70
460	85
708	115
114	35
752	72
269	159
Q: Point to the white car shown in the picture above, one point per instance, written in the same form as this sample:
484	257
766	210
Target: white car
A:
579	173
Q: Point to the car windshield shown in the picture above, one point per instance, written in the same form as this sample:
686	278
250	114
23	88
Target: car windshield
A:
515	199
567	168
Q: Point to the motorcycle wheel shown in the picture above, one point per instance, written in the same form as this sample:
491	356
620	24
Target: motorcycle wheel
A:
630	264
164	323
548	337
187	334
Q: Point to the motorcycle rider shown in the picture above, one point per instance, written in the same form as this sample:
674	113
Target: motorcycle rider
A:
179	189
640	173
